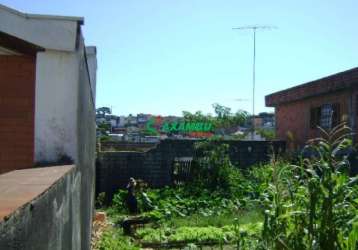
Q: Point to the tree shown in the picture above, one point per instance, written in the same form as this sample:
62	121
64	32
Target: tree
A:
103	110
221	111
223	120
226	119
198	116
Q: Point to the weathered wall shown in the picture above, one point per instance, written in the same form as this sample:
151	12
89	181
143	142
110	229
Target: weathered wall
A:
17	104
294	117
86	139
113	169
57	80
51	221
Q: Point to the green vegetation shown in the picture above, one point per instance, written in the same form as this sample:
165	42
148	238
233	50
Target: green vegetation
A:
312	204
268	134
223	120
113	239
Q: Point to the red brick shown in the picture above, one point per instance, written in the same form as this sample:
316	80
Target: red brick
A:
17	99
294	117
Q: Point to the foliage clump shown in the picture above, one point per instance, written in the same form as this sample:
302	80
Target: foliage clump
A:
314	204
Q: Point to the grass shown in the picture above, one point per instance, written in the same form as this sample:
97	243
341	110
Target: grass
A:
244	217
220	229
224	230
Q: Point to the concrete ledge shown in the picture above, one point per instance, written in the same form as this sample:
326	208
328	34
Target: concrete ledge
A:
20	187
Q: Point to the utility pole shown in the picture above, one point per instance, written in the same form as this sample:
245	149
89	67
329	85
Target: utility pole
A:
253	28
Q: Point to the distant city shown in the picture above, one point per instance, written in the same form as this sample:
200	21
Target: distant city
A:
150	128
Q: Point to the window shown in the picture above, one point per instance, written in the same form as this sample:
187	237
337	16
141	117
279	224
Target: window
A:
326	116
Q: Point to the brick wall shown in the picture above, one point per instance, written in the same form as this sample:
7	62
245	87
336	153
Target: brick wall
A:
295	116
17	98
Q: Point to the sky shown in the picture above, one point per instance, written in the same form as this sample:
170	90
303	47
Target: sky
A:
166	56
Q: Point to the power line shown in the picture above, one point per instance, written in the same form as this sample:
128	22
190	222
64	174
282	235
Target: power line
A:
254	28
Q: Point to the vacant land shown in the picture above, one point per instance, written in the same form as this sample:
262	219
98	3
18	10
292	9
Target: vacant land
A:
290	203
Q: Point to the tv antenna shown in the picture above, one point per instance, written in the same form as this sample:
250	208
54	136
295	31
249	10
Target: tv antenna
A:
254	28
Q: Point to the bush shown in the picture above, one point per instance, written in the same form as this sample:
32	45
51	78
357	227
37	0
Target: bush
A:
213	170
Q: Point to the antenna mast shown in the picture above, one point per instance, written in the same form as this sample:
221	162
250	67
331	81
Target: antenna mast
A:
254	28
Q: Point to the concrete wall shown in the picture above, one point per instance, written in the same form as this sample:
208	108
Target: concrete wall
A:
113	169
57	81
91	55
86	141
51	221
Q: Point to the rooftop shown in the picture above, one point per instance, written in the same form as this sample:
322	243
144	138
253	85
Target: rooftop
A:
336	82
80	20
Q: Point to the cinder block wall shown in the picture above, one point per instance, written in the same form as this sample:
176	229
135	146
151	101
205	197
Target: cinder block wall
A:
17	98
113	169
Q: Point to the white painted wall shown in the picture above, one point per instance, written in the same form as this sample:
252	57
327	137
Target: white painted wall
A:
57	76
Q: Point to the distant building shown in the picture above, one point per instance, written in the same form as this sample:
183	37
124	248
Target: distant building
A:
143	118
323	102
122	121
262	120
132	120
113	120
267	120
258	122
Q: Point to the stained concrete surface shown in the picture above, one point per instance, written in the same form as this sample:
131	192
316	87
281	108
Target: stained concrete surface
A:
20	187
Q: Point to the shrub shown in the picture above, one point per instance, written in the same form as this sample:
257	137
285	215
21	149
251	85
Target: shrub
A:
213	170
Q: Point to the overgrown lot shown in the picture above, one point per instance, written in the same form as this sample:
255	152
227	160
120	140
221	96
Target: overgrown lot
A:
305	203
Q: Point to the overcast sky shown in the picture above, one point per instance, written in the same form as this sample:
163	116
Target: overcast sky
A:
165	56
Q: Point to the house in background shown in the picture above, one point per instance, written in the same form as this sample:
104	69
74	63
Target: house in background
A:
47	113
324	102
263	120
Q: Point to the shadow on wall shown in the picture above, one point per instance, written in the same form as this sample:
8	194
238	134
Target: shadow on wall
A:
62	159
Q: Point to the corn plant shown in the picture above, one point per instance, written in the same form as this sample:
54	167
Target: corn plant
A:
314	204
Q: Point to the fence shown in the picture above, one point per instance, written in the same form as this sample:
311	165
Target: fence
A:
168	162
181	170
